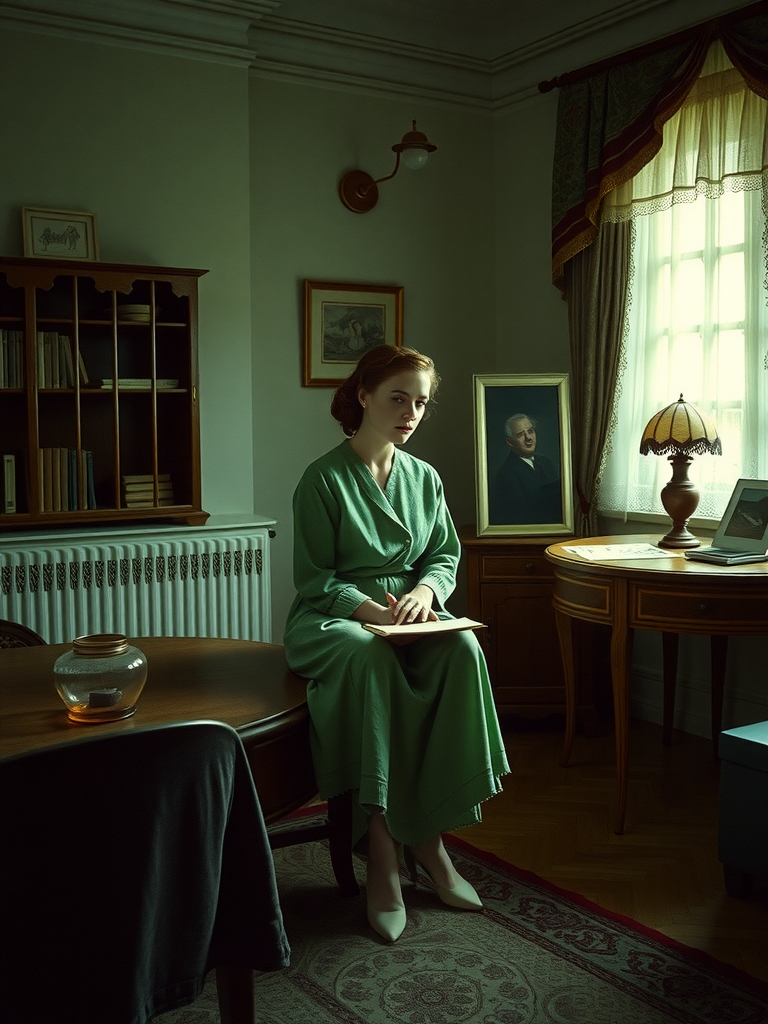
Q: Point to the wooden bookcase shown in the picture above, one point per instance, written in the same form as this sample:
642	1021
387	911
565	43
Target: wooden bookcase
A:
509	587
123	324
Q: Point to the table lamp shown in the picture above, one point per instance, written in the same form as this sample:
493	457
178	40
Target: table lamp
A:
683	431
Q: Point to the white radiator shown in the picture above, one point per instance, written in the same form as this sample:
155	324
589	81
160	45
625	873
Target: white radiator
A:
211	580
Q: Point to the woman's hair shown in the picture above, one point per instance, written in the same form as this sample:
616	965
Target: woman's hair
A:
374	368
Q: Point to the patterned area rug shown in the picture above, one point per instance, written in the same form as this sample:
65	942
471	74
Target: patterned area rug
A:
535	955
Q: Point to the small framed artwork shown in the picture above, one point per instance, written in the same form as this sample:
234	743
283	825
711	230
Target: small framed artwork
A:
59	234
523	455
342	322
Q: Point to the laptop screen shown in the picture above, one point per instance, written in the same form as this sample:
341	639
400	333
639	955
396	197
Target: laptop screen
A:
744	526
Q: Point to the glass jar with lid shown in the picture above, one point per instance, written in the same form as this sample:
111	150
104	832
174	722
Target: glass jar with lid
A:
101	678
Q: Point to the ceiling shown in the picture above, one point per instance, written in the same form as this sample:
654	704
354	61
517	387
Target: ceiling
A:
485	54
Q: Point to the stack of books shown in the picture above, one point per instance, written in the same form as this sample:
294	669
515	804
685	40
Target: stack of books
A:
66	480
139	490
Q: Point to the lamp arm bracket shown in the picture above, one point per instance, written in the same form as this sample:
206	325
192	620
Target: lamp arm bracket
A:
388	176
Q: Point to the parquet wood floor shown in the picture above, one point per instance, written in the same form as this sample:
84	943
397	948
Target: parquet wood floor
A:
663	872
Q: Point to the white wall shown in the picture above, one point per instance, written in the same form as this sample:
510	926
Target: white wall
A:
157	148
432	232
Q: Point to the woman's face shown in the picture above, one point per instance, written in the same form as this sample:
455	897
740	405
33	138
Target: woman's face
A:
397	406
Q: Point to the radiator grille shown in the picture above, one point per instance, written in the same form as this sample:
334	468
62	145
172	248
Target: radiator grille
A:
200	586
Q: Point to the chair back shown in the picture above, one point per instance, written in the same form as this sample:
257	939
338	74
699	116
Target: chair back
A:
13	634
131	864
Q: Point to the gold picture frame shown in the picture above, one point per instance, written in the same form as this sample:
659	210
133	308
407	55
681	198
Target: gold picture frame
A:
342	322
523	491
59	234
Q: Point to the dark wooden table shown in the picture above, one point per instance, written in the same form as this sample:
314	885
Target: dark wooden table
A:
245	684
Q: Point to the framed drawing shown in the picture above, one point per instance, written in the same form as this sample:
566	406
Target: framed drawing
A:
343	321
59	234
523	455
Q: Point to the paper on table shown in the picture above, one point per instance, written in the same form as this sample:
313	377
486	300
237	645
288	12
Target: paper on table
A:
609	552
424	628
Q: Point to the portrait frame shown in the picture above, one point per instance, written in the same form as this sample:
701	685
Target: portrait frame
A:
546	507
59	234
342	322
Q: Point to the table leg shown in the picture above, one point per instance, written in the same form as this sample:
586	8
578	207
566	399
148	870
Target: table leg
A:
565	635
670	642
718	648
621	654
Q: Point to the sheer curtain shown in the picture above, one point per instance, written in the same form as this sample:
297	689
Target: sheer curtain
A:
697	312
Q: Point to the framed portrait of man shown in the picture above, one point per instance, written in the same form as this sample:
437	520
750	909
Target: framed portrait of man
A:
523	455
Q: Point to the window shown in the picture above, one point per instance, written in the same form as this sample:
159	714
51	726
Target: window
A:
698	319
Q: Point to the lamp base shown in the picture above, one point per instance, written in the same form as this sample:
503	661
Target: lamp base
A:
680	499
358	191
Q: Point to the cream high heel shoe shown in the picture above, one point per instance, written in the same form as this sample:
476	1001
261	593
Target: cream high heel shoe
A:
389	924
462	896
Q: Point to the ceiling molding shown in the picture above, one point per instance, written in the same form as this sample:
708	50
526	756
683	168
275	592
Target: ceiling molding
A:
340	59
210	30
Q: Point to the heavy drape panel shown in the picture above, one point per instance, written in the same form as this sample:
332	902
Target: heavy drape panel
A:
596	289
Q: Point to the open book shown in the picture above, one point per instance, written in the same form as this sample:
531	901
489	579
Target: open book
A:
424	628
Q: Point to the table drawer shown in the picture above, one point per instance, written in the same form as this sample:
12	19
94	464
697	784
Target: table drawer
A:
504	567
656	609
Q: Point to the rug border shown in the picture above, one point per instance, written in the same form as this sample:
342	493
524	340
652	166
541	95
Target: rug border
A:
730	972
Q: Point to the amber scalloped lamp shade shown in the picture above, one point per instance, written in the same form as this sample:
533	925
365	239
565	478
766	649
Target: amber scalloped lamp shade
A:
682	431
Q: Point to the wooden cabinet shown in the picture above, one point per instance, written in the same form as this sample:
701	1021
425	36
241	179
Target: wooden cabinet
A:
107	378
510	586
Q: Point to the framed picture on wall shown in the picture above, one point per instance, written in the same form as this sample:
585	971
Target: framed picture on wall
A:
523	455
59	234
342	322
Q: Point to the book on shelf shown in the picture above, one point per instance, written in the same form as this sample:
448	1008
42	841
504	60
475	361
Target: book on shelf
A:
161	383
8	484
145	478
163	485
90	481
160	503
66	366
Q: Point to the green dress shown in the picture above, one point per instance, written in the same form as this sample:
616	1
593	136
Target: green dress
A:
412	729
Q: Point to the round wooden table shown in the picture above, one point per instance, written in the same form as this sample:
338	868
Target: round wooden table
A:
667	594
245	684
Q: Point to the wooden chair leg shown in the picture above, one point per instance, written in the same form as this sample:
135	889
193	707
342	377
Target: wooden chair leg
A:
340	843
234	990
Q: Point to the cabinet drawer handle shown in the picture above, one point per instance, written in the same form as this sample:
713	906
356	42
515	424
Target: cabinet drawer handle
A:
702	607
530	566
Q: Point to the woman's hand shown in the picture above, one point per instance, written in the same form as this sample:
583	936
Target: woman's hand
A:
415	606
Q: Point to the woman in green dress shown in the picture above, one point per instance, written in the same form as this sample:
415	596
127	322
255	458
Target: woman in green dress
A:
409	727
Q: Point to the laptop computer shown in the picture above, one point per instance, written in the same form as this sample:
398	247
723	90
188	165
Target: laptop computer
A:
742	535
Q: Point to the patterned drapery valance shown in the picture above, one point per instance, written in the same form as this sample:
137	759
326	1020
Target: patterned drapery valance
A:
610	117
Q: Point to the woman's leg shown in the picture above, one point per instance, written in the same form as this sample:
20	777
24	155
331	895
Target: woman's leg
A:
383	876
434	856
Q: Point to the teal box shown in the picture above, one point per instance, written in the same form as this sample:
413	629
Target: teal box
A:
743	818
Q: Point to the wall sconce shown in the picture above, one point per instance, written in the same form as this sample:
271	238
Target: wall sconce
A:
684	431
358	190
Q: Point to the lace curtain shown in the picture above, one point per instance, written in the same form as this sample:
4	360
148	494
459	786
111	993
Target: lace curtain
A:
697	309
